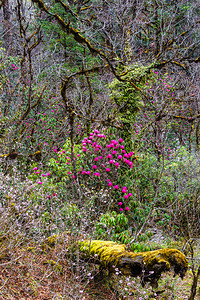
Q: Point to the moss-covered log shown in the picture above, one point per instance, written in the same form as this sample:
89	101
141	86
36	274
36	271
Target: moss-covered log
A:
148	265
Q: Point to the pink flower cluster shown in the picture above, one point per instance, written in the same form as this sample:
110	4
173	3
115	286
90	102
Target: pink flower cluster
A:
111	160
106	159
14	67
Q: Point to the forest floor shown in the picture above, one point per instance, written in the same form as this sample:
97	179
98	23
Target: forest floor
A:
47	272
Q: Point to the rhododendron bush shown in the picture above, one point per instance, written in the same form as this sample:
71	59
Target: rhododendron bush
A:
100	164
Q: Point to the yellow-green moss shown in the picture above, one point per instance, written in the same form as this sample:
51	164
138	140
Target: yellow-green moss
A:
54	239
106	251
31	249
54	264
51	240
168	255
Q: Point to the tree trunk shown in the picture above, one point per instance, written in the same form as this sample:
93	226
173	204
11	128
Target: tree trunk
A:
7	27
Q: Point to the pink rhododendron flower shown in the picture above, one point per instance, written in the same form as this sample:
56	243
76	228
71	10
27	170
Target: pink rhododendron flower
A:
43	175
35	168
39	182
111	161
73	176
114	152
125	196
48	174
94	167
97	174
109	156
120	156
116	187
121	209
127	208
124	189
88	172
117	164
130	194
120	140
107	169
110	183
114	142
96	159
120	203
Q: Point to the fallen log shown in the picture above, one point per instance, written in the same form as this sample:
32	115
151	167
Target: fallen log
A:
148	265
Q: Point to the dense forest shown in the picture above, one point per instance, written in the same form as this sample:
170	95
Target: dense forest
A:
99	141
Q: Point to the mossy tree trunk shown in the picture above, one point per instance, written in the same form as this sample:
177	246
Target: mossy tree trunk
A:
148	265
